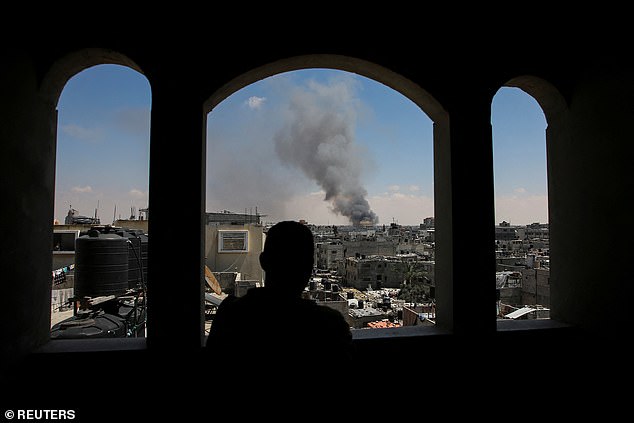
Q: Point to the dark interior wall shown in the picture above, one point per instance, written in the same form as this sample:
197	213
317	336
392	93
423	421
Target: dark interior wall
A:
27	175
595	181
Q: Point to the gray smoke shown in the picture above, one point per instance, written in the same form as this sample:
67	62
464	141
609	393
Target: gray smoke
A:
319	140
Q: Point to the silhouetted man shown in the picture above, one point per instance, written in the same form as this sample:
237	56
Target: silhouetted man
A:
273	326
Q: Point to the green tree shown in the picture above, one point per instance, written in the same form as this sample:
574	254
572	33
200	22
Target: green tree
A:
410	272
412	289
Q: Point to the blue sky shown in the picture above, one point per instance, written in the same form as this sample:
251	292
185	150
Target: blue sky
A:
103	145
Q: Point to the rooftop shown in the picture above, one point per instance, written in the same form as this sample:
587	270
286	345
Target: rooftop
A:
383	324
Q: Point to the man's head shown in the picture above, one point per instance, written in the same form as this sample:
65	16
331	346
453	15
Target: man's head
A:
287	257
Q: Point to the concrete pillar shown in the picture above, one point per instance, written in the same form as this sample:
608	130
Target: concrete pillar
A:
176	199
472	216
591	280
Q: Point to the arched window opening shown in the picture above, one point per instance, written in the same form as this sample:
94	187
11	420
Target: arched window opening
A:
100	232
348	156
522	236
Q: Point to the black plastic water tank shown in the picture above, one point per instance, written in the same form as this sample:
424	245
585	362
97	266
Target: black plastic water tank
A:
144	254
102	325
134	257
101	265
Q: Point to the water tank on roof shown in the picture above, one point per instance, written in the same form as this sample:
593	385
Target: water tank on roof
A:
335	287
359	303
134	257
101	265
102	325
144	254
349	295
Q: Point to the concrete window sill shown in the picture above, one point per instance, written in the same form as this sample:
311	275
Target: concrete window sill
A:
92	345
528	325
401	332
358	335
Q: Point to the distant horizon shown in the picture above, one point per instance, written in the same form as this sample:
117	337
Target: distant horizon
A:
264	221
377	148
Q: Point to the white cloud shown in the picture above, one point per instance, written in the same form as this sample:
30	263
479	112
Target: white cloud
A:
83	134
255	102
82	190
394	188
520	190
413	188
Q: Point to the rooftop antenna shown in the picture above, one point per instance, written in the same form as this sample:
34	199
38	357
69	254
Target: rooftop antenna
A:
97	208
114	215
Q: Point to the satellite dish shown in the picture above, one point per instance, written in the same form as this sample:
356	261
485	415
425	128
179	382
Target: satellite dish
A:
212	282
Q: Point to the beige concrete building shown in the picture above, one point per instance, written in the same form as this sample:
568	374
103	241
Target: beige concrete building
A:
328	255
235	248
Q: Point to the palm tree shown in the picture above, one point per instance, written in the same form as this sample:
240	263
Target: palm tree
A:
411	273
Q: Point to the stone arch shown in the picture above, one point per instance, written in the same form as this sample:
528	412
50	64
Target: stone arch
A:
409	89
442	152
70	65
547	95
49	92
558	142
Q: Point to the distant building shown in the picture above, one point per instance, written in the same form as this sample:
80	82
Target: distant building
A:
524	287
428	222
508	285
382	324
367	247
73	218
64	247
360	317
233	243
327	294
419	315
385	271
230	218
328	255
536	286
505	232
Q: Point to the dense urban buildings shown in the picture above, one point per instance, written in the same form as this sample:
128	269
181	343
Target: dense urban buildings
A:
369	274
384	273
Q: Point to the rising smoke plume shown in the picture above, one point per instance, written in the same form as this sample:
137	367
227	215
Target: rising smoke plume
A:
319	139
